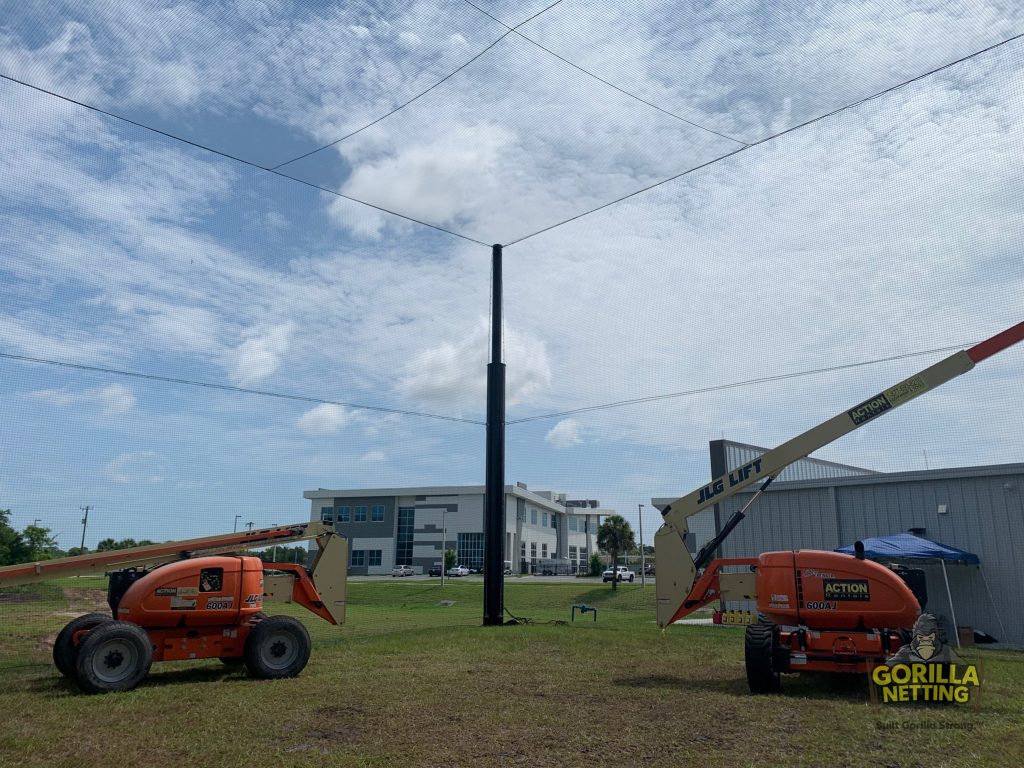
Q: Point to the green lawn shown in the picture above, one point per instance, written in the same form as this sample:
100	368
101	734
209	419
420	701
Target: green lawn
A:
410	682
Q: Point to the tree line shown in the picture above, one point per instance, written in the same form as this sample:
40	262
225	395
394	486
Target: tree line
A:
36	542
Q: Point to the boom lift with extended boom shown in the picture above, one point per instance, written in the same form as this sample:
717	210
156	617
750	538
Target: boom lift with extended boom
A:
195	599
818	611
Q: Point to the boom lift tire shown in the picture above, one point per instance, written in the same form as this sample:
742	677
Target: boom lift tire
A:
759	646
116	656
277	647
65	652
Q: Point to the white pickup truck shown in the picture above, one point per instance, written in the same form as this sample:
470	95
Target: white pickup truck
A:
622	574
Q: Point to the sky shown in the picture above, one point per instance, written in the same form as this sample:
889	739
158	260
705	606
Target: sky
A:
732	254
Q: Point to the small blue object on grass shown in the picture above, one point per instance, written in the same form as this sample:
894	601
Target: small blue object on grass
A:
583	608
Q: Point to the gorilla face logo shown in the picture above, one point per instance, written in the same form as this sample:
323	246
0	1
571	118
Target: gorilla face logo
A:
926	646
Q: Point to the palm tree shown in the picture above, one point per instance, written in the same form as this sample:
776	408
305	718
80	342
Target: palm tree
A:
615	537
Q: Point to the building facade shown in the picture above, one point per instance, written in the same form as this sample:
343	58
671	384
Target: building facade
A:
387	527
977	509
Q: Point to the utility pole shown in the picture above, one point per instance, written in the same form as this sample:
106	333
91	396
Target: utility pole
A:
235	529
250	524
494	471
85	522
643	560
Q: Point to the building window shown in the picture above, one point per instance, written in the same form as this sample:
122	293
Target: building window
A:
406	526
522	550
326	514
533	516
358	557
574	525
377	513
545	523
342	515
471	550
360	515
544	551
533	550
374	556
572	553
554	521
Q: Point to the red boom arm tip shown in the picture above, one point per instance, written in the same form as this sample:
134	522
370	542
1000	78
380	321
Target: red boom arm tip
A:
997	343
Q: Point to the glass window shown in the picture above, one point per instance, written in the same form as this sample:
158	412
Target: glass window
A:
573	524
374	556
360	515
533	550
522	550
377	513
342	514
544	551
326	514
533	516
554	520
545	523
358	557
406	527
471	550
572	553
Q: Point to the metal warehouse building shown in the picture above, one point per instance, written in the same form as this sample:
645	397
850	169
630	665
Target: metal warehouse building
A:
822	505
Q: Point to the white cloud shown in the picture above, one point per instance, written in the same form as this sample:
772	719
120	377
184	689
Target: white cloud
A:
324	419
564	434
410	40
114	399
132	467
373	456
261	355
435	179
453	373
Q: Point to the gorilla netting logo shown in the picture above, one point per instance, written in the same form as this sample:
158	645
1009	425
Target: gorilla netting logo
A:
923	670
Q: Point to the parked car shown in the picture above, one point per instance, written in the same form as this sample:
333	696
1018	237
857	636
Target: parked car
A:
622	574
403	570
458	570
435	570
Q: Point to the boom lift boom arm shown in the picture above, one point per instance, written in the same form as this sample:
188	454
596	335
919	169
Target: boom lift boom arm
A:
678	590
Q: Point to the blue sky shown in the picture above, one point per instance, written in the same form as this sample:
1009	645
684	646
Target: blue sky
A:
889	228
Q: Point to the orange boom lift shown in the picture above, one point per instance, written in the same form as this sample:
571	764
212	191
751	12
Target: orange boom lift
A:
195	599
818	611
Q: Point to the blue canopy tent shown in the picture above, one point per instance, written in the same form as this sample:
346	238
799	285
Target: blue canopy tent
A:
907	547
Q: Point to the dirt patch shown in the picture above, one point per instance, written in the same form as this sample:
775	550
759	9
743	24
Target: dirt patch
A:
86	600
19	597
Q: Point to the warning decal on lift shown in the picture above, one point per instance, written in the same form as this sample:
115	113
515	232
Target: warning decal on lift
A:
846	589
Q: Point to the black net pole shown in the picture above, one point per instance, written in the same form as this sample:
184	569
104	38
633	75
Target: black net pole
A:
494	488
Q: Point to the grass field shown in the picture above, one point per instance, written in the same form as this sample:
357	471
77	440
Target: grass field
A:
411	682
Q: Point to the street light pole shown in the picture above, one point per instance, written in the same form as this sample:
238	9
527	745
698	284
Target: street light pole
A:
643	560
237	518
444	545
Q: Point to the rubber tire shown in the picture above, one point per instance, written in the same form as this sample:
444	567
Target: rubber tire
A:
263	644
97	646
759	643
65	652
630	579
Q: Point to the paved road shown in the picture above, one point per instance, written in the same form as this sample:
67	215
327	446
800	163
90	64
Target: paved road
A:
509	580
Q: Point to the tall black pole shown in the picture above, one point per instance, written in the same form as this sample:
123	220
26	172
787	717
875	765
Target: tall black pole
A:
494	488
